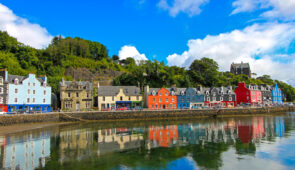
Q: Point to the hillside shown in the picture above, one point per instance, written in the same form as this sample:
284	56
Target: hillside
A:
79	59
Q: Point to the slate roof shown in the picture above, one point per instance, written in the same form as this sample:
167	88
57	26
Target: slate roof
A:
11	78
114	90
86	85
240	65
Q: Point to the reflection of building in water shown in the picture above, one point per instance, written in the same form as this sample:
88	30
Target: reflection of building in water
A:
75	142
252	131
26	152
118	139
279	126
269	126
163	135
257	128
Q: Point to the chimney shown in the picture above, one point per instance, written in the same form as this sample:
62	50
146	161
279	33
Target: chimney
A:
4	74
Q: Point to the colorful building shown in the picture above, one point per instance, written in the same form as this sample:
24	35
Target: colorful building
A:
76	95
25	93
266	92
112	97
160	98
3	91
248	94
189	98
277	95
219	96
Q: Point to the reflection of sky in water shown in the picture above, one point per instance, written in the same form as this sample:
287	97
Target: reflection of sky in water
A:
186	163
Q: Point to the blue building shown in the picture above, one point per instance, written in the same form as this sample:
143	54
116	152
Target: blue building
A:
27	93
189	98
277	95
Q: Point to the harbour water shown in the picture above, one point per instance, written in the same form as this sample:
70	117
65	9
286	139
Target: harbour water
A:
248	142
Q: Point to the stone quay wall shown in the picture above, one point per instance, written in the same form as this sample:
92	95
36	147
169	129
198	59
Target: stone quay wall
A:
137	115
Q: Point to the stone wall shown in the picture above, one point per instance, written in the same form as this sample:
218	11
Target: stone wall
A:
136	115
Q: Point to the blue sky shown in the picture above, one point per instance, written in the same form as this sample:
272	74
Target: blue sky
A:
174	31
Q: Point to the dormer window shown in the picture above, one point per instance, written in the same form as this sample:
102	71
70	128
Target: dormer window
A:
16	81
207	92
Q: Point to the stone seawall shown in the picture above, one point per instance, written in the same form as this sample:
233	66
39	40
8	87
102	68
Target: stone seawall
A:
136	115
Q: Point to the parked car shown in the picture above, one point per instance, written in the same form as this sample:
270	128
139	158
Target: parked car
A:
205	107
137	108
122	108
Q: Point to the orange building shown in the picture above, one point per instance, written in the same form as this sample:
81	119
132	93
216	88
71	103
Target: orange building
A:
164	135
160	98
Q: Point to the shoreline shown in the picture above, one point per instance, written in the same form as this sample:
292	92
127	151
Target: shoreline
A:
66	117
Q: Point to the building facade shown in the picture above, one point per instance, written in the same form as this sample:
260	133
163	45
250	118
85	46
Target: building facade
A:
3	90
24	93
240	68
219	96
277	95
76	95
189	98
248	94
160	98
266	92
114	97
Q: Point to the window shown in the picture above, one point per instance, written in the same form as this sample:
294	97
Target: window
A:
29	91
174	105
29	84
172	99
87	104
1	100
1	90
68	104
167	106
214	99
160	106
154	100
208	98
15	100
166	94
34	100
171	105
113	98
221	98
121	98
129	98
16	81
44	92
34	84
247	97
44	100
34	91
15	90
166	99
156	105
230	99
28	100
77	94
137	97
1	80
103	98
152	106
160	100
160	94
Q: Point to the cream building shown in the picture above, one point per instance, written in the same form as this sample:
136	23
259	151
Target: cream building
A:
112	97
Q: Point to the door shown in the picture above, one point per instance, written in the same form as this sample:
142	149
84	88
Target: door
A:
77	106
164	106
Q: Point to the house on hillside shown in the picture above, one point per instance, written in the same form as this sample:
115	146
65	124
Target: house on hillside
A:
240	68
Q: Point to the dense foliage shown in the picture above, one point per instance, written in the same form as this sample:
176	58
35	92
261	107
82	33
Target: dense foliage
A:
68	52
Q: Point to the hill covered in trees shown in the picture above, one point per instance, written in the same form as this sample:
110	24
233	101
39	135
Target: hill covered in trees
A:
75	55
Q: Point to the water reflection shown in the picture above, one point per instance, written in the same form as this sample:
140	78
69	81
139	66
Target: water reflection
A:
200	143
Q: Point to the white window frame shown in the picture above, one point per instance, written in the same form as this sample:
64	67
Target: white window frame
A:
1	90
1	100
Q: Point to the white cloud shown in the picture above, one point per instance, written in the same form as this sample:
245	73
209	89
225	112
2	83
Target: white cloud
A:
130	51
282	9
262	40
191	7
30	34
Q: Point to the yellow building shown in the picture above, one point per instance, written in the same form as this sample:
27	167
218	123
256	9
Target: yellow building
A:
112	97
76	95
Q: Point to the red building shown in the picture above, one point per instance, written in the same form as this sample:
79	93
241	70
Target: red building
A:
164	98
3	108
248	94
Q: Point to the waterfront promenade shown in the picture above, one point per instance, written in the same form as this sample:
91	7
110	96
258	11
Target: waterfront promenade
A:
137	115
